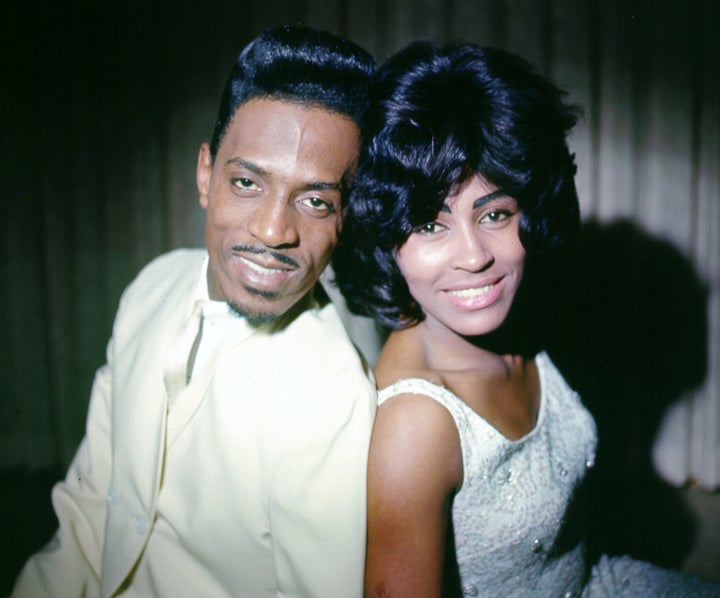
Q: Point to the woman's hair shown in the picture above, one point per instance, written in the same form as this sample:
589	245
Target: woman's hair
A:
298	64
438	116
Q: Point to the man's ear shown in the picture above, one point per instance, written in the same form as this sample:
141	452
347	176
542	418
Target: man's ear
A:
203	174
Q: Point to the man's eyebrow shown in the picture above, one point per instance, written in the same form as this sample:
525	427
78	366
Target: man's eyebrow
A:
480	201
248	165
319	186
310	186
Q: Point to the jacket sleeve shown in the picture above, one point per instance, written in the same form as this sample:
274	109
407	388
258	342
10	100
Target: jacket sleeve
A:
69	565
318	510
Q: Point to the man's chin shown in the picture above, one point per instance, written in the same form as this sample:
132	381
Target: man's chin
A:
253	318
275	309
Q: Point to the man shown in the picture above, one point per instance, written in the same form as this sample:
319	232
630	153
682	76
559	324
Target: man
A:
227	433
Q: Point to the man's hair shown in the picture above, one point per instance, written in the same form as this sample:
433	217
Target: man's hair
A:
438	116
302	65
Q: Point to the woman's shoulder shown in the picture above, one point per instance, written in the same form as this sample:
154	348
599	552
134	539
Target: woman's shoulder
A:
413	386
403	376
402	357
415	431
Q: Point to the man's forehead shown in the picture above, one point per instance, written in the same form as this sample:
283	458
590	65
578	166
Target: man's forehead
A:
274	134
271	107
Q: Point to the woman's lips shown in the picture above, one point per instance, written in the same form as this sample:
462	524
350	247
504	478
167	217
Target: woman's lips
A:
475	297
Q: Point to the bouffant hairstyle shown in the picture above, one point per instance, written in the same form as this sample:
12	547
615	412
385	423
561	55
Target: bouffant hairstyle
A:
438	116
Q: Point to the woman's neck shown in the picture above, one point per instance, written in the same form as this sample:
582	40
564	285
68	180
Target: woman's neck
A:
424	347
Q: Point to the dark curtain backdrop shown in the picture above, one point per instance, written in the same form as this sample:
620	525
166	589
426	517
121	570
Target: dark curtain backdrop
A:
104	105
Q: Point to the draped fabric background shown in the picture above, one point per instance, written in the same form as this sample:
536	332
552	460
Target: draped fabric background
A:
104	106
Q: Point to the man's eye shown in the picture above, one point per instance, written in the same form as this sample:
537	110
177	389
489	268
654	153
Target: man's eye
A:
317	204
245	184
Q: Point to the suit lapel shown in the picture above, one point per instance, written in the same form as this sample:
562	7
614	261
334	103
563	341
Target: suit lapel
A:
145	337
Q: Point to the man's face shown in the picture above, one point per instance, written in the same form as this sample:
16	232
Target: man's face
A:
273	202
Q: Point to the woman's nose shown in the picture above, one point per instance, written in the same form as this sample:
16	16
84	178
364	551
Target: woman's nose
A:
470	252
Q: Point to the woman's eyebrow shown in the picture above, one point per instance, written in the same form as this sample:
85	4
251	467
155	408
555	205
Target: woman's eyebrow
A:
481	201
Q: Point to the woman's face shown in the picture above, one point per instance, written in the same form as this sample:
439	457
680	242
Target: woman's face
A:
465	267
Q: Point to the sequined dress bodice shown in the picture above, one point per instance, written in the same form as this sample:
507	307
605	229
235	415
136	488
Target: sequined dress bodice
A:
513	521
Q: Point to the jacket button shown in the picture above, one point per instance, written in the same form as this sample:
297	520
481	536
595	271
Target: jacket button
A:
113	496
141	523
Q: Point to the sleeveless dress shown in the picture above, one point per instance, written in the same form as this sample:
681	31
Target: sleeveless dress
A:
517	519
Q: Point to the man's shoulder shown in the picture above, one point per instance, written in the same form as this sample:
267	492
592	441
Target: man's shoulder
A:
318	340
325	330
177	268
177	263
323	372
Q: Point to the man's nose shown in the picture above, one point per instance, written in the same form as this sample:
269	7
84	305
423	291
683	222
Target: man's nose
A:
273	223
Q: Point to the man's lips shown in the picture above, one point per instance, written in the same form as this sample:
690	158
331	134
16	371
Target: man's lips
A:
265	261
262	270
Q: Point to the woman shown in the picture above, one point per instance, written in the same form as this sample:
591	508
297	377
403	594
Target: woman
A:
465	190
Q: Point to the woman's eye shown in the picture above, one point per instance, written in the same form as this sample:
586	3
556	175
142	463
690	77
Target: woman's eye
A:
427	229
495	216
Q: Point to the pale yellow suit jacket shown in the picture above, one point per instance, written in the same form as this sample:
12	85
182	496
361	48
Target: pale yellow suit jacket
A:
299	525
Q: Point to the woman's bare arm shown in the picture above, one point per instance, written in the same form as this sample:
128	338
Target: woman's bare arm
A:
415	466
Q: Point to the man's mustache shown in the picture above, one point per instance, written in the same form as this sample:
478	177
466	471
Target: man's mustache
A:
280	257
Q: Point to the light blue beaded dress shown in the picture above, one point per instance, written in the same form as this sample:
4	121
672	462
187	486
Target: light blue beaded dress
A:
514	518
